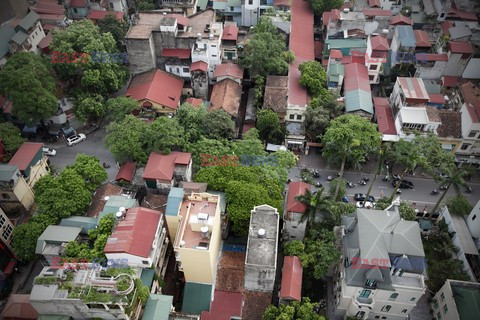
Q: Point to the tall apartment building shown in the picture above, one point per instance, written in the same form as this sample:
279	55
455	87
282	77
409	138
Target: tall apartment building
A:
382	271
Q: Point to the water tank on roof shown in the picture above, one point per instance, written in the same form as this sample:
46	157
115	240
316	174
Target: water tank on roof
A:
261	233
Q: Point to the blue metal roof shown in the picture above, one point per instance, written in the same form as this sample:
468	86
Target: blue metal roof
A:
407	37
223	199
86	223
175	198
115	203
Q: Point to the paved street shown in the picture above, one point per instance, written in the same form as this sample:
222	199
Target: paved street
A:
420	195
93	146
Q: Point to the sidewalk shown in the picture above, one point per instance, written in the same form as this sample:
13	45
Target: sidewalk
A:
23	277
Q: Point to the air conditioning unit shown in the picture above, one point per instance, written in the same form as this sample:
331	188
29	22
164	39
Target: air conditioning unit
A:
202	216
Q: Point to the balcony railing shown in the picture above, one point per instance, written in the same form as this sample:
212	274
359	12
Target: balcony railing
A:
364	300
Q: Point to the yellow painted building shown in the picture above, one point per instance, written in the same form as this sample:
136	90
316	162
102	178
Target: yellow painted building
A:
198	237
16	195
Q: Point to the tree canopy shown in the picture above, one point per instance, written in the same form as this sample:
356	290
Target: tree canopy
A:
11	138
90	107
459	205
296	310
264	54
319	6
84	36
268	125
26	81
314	78
118	108
118	29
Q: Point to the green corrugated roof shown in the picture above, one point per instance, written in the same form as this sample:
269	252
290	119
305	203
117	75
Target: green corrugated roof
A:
28	21
6	34
345	45
467	301
336	69
20	37
357	100
219	5
223	199
334	78
234	3
86	223
175	198
196	297
147	277
157	307
202	4
114	203
56	235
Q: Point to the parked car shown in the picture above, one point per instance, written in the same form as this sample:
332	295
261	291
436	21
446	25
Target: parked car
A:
404	184
366	204
76	139
49	152
362	197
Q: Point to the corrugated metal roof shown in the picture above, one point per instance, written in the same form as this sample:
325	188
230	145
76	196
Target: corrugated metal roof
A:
174	200
196	297
233	3
406	35
157	307
24	156
358	100
20	37
219	5
147	277
202	4
28	21
56	235
6	34
295	189
291	287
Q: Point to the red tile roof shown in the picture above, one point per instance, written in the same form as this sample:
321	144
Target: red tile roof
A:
226	95
460	47
437	98
25	154
400	20
199	66
301	44
414	89
384	115
181	19
379	43
194	102
18	307
422	39
158	86
450	81
161	166
230	32
327	15
291	287
45	42
228	70
318	49
99	15
224	306
356	77
135	234
176	53
433	57
295	189
336	54
374	3
77	3
48	7
464	15
377	13
471	96
446	25
126	172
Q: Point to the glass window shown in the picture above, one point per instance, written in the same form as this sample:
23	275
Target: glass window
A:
465	146
474	216
435	303
404	311
386	308
445	309
412	299
439	316
393	296
365	293
442	295
370	283
360	314
186	70
299	117
373	67
472	133
292	116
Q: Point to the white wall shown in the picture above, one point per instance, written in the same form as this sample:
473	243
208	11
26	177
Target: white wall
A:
295	229
433	73
455	66
179	70
473	221
36	36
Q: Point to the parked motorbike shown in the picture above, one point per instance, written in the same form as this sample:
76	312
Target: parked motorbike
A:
316	174
362	182
289	180
366	179
386	178
350	184
106	165
329	178
443	187
434	192
469	189
318	185
399	191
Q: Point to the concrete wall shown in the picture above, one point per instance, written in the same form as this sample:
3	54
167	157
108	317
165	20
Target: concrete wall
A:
141	55
473	221
446	291
295	230
455	65
259	278
200	84
433	73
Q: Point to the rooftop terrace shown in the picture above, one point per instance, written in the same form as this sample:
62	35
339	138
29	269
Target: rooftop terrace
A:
197	211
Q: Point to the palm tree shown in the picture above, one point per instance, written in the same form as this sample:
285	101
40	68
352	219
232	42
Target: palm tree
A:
315	202
383	151
453	177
